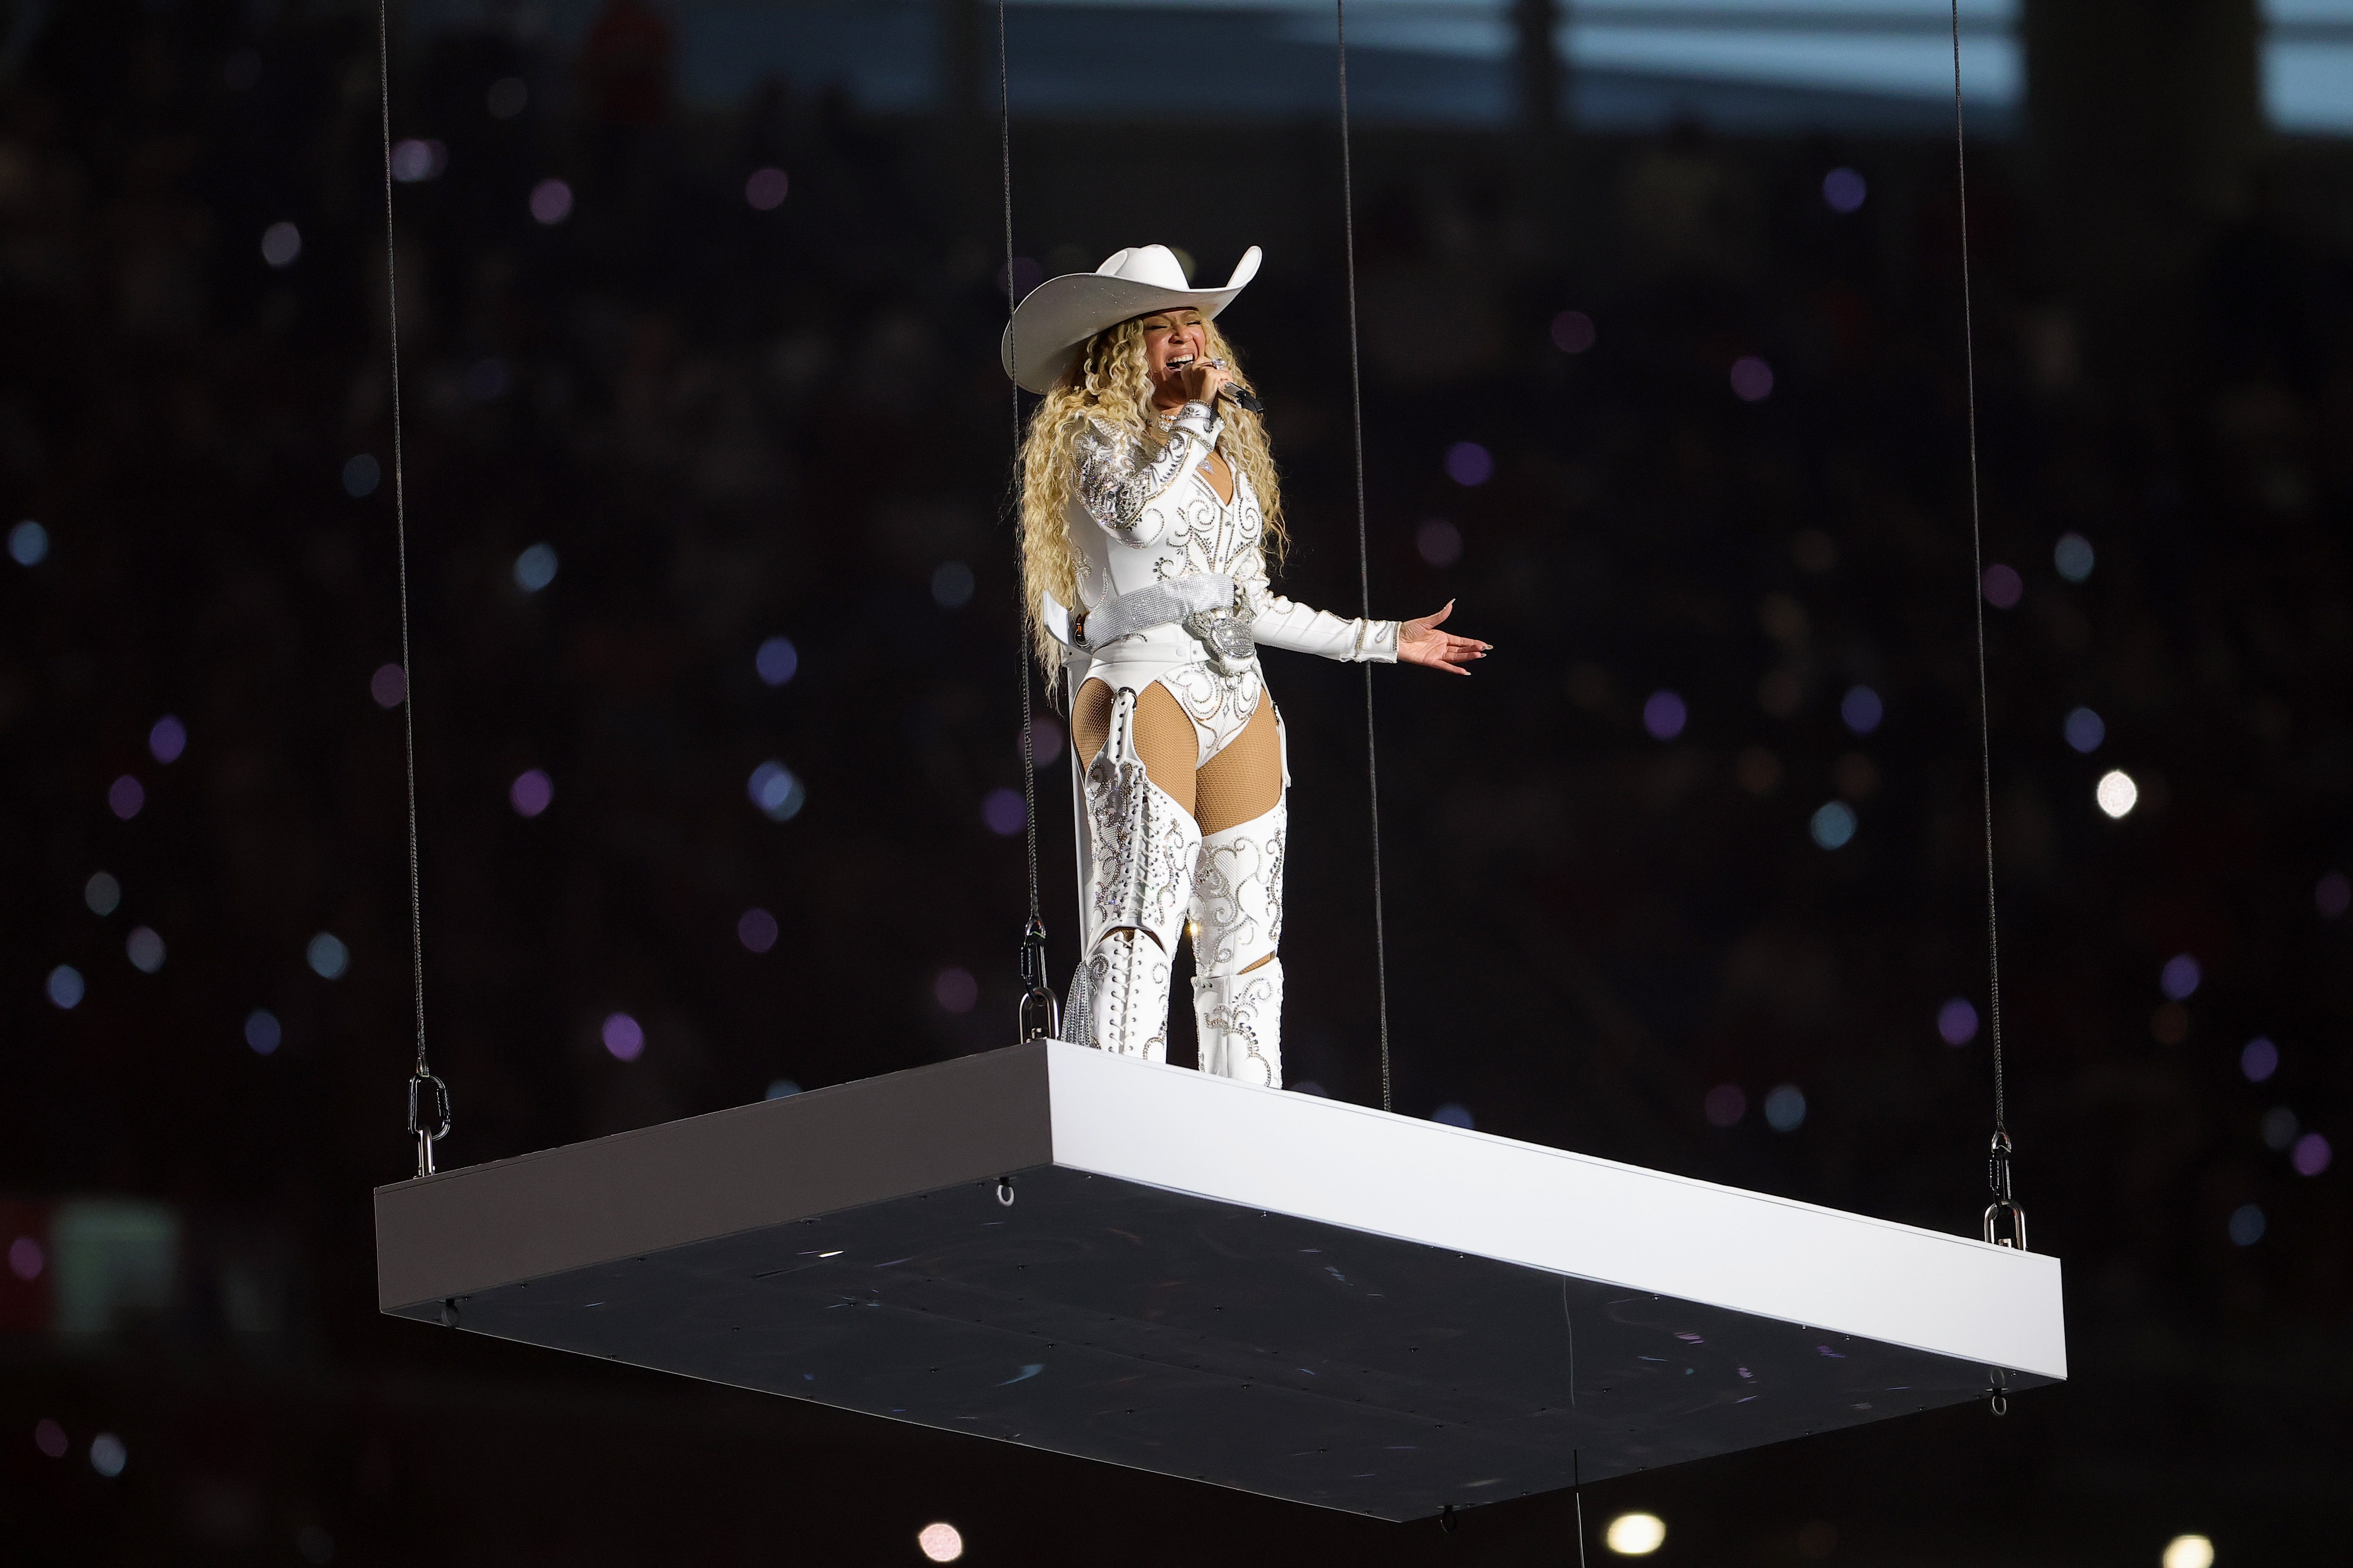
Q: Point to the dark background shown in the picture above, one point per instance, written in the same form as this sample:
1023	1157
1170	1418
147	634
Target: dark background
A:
732	425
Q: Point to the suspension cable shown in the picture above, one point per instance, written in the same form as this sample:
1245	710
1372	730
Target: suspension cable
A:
428	1123
1363	552
1038	1018
1998	1173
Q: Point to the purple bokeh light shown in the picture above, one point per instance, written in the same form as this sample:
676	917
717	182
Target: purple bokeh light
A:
125	795
1005	812
1439	541
1861	709
551	202
2332	895
1665	715
1469	463
955	990
2311	1154
623	1035
167	740
766	189
1956	1022
2179	978
2003	585
1752	379
1725	1105
2260	1060
388	685
532	792
1572	331
1843	191
25	1258
756	930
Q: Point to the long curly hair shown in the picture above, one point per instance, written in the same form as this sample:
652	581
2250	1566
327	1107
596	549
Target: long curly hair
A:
1109	381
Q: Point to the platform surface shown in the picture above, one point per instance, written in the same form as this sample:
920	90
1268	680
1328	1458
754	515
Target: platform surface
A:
1271	1291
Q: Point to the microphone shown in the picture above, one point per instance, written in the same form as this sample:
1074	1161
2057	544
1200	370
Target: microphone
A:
1245	401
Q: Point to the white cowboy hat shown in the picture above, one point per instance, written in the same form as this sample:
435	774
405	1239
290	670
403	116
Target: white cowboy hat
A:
1062	314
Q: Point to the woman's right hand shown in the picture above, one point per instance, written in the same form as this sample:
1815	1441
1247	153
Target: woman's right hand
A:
1200	380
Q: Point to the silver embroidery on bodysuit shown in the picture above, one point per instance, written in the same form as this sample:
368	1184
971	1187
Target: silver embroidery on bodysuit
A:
1120	476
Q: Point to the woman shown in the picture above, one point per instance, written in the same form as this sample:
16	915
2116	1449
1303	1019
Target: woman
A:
1149	504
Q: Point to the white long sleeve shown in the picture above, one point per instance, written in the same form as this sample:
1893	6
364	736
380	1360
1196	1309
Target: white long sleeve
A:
1281	622
1119	478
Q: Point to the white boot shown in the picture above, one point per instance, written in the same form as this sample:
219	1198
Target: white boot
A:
1237	913
1145	847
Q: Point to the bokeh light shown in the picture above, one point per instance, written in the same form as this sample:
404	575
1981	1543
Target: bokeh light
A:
487	379
1862	710
64	986
1785	1108
362	474
2116	793
2188	1552
144	949
2246	1224
940	1542
766	189
414	161
2259	1060
2003	586
108	1455
2073	556
952	586
1439	541
532	792
2180	977
327	956
1833	826
2311	1154
388	685
166	739
551	202
535	567
1725	1105
1843	190
2084	730
1752	379
2278	1127
756	930
280	244
1005	812
102	893
1469	463
776	660
1572	331
1635	1534
1956	1022
1665	715
509	96
955	990
2332	895
774	790
124	797
25	1258
1453	1114
263	1033
29	544
781	1089
623	1037
49	1438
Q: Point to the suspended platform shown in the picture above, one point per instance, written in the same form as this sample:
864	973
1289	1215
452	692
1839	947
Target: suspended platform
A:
1264	1290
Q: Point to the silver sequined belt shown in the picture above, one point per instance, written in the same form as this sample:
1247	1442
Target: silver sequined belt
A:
1206	604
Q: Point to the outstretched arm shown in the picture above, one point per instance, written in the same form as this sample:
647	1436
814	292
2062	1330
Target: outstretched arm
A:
1420	642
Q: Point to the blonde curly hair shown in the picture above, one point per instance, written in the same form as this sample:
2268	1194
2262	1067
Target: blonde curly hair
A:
1109	381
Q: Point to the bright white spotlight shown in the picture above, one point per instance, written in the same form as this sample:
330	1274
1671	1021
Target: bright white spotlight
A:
1635	1534
2189	1552
940	1542
2116	793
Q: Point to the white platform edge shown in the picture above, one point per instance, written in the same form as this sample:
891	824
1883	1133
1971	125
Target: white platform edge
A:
1568	1213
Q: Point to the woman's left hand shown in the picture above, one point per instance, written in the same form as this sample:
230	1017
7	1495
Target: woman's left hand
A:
1420	642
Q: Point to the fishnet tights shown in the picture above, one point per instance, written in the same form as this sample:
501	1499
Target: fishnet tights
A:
1242	781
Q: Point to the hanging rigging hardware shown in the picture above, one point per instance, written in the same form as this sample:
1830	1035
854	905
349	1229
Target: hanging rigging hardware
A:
1446	1518
1997	1394
1004	1191
427	1136
2003	1213
449	1312
1041	1016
